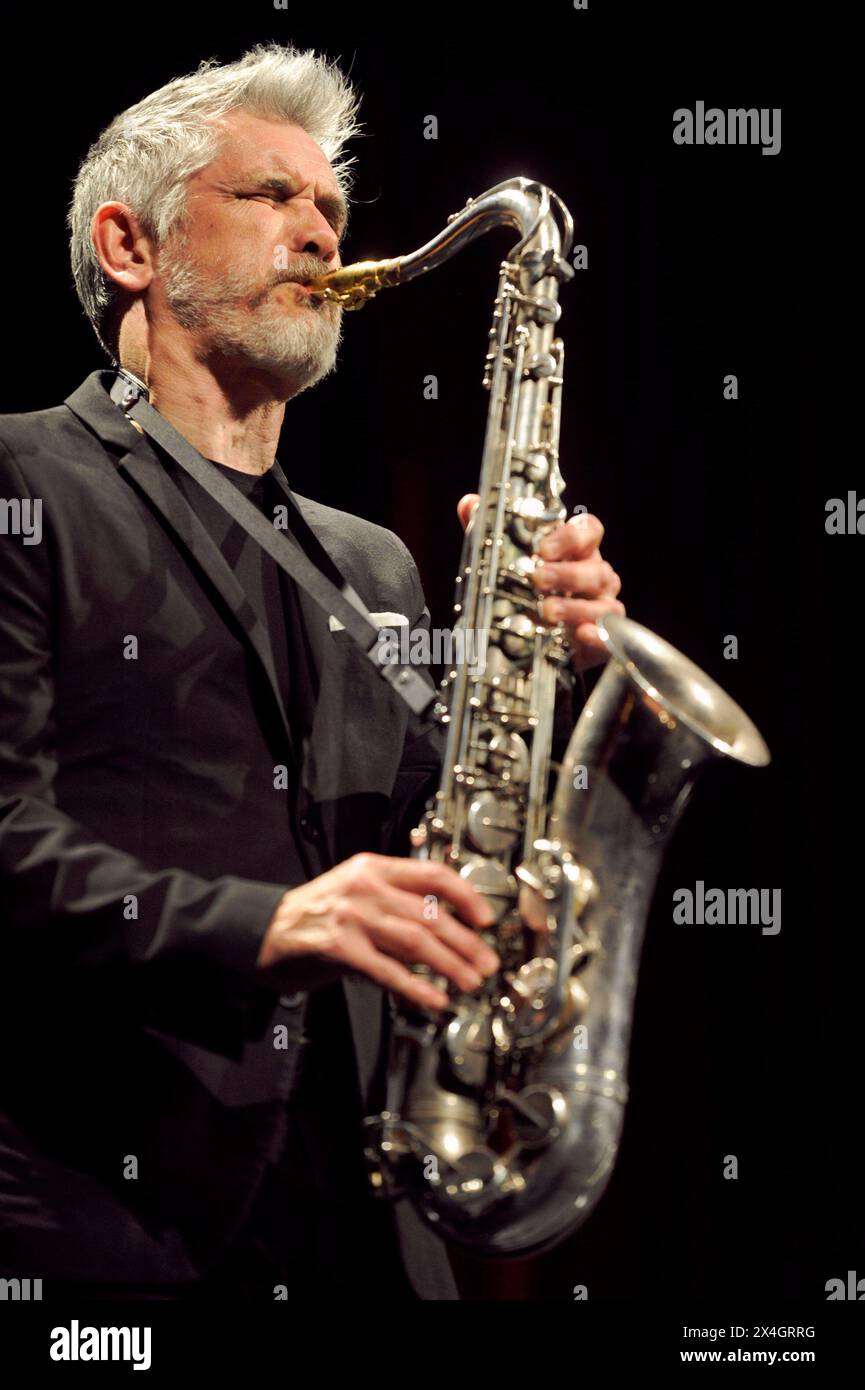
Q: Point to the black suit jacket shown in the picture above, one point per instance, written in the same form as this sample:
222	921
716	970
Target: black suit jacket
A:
144	846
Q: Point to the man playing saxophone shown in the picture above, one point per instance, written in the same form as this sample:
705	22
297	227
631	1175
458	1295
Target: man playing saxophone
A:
205	793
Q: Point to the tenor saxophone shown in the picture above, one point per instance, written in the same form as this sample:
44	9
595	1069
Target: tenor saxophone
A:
504	1111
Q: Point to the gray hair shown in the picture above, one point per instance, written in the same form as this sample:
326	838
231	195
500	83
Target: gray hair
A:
145	157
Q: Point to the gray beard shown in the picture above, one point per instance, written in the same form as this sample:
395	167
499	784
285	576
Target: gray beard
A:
235	319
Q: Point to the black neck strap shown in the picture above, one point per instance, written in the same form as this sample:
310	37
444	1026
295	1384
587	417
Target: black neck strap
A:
320	578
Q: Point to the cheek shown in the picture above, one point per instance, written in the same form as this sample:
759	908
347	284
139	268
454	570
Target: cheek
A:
238	247
245	243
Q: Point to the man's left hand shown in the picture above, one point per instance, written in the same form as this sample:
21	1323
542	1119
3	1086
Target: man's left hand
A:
580	583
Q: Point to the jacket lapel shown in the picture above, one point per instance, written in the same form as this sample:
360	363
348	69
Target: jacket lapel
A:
141	466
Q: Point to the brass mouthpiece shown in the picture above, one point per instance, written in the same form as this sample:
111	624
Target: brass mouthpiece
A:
352	285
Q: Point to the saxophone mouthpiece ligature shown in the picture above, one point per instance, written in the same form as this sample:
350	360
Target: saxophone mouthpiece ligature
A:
352	285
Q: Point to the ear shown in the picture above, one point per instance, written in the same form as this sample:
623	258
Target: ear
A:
125	252
466	506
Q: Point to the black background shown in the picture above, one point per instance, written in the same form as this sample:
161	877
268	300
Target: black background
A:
701	262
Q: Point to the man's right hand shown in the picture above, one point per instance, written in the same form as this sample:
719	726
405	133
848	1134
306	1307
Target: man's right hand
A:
370	914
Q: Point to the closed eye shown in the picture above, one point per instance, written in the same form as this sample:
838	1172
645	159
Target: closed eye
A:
279	192
272	195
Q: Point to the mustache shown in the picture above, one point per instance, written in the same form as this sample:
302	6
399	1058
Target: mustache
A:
302	269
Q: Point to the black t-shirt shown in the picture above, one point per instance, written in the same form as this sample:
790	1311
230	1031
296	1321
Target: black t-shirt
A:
314	1218
273	595
271	591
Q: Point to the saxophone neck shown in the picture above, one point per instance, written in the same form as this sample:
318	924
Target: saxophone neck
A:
539	215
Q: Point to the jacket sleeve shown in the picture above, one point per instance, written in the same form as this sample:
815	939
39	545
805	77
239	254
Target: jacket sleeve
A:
71	900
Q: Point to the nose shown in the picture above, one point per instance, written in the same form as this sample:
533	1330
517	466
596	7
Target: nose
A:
311	231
